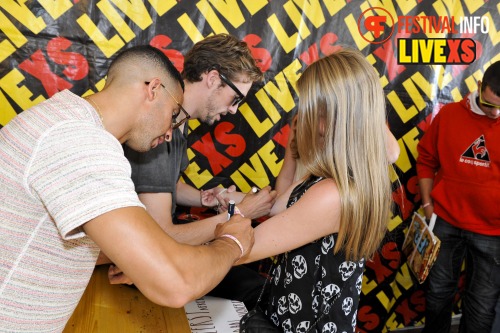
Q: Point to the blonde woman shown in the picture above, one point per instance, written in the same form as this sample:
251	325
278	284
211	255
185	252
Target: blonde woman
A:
327	223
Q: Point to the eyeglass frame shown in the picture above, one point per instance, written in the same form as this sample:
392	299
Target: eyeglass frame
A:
487	104
187	116
238	99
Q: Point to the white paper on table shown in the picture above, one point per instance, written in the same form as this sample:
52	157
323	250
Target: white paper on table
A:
214	315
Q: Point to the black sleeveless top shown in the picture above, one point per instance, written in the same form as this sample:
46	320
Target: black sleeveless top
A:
310	281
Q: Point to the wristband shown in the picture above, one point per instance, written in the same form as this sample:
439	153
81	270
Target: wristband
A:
218	202
426	204
238	211
235	240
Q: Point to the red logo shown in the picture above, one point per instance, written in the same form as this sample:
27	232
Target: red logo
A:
376	24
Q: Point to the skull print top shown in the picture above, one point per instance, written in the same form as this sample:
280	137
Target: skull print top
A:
312	282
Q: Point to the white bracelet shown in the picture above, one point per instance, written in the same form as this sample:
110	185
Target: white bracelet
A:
426	204
236	241
218	202
224	190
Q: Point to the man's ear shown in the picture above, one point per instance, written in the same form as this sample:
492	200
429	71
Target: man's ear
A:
212	78
152	88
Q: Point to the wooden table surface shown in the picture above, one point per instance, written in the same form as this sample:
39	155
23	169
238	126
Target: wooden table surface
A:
110	308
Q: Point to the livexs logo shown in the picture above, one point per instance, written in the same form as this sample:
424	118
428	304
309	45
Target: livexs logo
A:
378	23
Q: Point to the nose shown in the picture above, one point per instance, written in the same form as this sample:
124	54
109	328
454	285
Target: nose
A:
233	109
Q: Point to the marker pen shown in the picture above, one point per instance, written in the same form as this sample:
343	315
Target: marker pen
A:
230	209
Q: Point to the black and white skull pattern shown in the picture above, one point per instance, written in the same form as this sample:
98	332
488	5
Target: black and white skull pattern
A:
354	316
275	319
347	305
282	305
287	326
315	304
361	263
327	244
277	274
346	269
294	302
299	266
288	278
330	291
329	327
303	326
359	283
315	288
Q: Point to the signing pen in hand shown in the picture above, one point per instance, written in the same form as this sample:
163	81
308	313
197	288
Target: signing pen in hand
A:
230	209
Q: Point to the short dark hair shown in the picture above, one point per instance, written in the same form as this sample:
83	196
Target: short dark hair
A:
222	52
148	54
491	78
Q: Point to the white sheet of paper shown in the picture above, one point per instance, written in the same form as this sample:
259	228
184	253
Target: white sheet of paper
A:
214	315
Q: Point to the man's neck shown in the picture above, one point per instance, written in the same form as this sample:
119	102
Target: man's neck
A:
194	98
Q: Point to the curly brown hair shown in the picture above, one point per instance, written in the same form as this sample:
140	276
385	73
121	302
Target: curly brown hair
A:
222	52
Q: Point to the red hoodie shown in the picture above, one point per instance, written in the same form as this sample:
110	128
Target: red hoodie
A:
461	152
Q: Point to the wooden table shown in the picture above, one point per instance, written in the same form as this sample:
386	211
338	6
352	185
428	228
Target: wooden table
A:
110	308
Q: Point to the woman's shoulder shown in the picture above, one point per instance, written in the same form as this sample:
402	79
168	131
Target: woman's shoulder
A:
317	193
322	188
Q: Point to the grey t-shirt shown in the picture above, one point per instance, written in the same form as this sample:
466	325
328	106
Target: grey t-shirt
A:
158	170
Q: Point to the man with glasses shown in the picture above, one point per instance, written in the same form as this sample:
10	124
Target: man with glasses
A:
458	168
218	73
66	194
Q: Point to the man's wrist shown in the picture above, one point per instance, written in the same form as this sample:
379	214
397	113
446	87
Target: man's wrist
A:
233	242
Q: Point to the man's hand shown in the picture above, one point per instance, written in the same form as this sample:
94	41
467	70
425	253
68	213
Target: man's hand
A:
116	276
258	204
215	197
240	228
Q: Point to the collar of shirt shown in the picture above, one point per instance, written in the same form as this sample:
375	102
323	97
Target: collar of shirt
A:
473	105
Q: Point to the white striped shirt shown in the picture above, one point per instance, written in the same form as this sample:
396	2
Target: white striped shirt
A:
59	169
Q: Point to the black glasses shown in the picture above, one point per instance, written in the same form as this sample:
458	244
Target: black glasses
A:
487	104
175	123
237	99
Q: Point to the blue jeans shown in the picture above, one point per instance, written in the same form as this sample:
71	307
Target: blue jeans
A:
496	323
482	285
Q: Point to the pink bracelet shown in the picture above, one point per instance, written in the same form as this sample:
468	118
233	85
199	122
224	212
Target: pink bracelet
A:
237	211
236	241
426	204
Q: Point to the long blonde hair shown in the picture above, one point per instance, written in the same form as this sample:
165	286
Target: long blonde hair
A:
341	135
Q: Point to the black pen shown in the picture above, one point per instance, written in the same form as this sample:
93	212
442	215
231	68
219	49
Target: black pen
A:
230	209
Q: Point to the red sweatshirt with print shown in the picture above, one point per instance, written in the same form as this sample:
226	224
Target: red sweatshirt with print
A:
461	152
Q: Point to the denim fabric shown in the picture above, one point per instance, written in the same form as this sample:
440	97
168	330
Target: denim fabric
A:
482	285
496	323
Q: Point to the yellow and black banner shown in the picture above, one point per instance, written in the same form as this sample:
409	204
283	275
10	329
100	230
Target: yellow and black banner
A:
427	53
